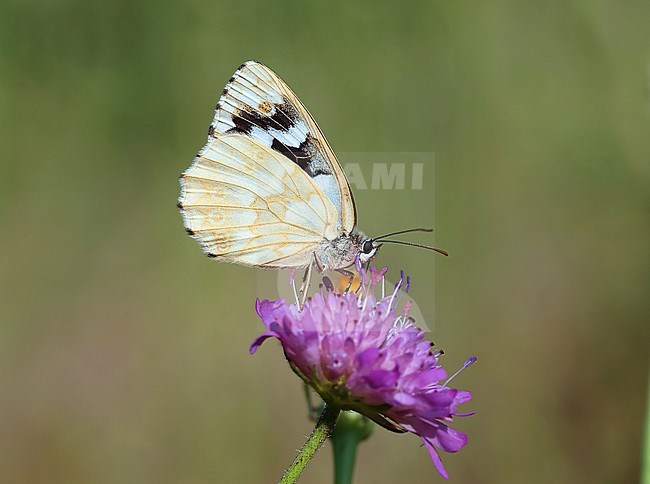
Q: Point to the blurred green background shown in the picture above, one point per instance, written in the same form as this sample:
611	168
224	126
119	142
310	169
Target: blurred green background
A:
124	350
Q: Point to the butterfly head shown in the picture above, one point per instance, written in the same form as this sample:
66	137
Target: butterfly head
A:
369	248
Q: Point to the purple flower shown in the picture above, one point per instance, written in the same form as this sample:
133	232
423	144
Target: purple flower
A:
359	354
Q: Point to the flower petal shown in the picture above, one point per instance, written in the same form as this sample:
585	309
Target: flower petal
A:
450	440
255	345
433	453
381	378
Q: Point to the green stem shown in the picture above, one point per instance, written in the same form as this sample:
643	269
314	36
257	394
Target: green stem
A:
645	459
345	454
351	429
323	429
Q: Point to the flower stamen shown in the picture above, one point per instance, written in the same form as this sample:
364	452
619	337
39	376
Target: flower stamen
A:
469	361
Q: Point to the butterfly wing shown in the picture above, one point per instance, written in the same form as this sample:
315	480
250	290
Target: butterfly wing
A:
256	103
246	203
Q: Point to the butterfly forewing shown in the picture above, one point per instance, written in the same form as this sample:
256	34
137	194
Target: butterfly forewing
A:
257	104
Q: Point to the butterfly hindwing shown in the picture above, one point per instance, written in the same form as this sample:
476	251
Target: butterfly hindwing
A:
256	103
246	203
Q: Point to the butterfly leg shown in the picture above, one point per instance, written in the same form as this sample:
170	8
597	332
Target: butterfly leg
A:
349	274
306	281
319	266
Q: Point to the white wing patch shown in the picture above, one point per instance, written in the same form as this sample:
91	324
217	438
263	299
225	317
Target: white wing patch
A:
246	203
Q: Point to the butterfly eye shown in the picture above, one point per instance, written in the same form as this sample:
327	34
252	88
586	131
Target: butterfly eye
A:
368	247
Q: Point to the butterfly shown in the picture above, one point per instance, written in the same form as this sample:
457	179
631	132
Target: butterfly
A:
267	190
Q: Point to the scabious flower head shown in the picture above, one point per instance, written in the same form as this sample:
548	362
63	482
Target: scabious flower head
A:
360	354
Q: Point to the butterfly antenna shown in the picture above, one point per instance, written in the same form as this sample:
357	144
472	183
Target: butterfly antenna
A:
399	232
411	244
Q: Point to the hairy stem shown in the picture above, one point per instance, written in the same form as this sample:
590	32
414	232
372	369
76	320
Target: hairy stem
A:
324	426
